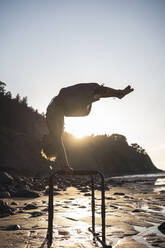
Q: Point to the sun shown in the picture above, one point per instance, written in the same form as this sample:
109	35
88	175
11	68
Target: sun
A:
78	134
85	126
78	126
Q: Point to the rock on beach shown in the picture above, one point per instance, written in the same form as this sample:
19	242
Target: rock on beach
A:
5	209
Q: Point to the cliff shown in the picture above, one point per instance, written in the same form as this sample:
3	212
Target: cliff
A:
110	154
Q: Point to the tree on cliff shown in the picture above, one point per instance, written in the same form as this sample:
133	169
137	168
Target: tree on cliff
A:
2	88
15	113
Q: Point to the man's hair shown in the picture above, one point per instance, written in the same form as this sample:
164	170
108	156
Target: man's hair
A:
48	150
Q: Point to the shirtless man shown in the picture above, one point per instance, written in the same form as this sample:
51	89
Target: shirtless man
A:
74	100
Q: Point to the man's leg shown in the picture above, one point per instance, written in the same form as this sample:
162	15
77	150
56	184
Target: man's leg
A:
110	92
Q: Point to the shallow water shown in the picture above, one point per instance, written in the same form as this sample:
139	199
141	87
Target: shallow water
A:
72	218
159	184
142	176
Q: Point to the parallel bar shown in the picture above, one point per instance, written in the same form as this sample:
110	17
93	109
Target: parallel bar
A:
50	207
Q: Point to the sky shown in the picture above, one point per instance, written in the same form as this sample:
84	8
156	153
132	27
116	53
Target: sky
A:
48	45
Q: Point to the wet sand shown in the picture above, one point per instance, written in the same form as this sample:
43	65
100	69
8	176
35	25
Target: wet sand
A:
134	210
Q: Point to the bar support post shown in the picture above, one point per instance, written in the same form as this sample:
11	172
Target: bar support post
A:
50	212
93	207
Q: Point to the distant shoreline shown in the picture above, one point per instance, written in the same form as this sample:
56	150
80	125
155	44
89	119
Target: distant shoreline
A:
139	177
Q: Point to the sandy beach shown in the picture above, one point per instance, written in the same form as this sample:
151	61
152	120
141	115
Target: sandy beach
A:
134	211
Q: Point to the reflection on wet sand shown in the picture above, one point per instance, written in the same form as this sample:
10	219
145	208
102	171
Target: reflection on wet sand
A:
134	210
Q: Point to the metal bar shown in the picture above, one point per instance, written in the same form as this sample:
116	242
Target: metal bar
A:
93	207
103	207
103	244
50	212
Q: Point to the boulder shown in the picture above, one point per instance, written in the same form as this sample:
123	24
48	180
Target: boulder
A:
30	206
4	194
161	227
119	193
5	178
26	193
12	227
36	214
5	209
14	203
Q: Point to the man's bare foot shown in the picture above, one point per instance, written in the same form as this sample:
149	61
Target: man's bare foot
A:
125	92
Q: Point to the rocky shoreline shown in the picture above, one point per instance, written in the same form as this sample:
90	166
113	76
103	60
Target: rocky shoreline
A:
135	212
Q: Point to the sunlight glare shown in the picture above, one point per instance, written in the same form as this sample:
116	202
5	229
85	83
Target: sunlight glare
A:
102	120
80	127
77	127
